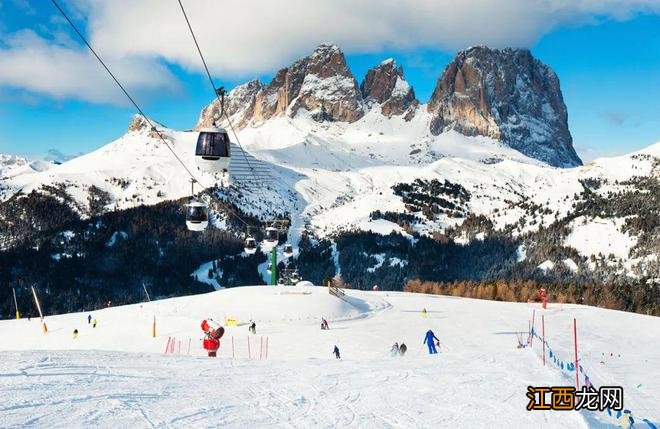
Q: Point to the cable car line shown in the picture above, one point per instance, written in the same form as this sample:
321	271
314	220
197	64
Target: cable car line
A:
271	234
230	210
217	91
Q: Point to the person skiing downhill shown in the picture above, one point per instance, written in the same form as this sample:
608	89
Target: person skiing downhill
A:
429	340
403	349
395	350
324	324
75	334
89	319
94	323
336	352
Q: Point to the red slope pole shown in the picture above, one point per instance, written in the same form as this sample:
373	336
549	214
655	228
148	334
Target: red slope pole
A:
249	353
532	330
543	336
577	368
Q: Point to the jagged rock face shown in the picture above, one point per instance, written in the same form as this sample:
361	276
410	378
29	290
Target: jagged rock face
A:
328	87
240	105
507	95
321	83
385	85
138	124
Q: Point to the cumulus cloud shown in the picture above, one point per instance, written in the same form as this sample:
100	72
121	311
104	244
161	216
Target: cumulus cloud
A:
248	36
66	71
242	38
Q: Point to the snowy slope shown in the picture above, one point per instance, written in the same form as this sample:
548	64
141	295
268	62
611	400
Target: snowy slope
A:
330	176
115	374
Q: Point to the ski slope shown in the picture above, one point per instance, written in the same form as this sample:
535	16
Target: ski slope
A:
116	375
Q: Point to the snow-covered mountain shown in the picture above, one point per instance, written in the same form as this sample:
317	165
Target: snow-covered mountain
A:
342	156
508	95
504	94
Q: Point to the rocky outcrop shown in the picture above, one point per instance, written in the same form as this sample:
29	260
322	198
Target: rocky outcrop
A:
507	95
321	84
386	86
139	124
240	104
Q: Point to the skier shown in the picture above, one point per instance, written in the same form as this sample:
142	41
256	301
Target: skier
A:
424	314
395	349
324	324
336	352
429	341
75	333
626	420
403	349
253	328
94	323
89	319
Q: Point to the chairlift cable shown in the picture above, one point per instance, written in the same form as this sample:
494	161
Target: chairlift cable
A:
217	92
230	210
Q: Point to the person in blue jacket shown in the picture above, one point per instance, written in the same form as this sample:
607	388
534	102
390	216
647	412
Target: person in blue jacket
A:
430	340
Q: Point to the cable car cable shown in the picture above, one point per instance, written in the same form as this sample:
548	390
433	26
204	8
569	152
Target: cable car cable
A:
227	207
217	93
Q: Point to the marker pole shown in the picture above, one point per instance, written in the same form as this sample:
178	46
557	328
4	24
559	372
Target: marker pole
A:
577	368
18	315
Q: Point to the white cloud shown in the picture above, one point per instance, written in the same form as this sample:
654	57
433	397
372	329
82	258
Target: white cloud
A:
242	38
64	71
252	36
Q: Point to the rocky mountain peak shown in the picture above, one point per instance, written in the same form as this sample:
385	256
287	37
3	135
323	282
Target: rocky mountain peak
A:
139	124
320	83
385	85
240	103
508	95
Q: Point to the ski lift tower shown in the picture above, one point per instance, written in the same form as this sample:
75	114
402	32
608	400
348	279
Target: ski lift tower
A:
273	266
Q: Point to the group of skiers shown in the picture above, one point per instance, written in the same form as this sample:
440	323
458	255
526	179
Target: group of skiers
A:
398	350
430	339
90	321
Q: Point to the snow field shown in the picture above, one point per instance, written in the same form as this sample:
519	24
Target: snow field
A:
117	374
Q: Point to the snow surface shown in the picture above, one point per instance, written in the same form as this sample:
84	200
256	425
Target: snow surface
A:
202	275
546	265
597	235
115	375
329	177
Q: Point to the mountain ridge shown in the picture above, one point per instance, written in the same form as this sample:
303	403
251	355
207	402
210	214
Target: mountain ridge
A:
505	94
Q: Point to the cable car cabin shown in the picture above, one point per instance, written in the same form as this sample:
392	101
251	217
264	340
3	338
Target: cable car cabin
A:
288	250
270	235
197	216
250	246
213	151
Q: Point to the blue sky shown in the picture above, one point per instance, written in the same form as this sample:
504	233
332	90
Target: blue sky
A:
609	68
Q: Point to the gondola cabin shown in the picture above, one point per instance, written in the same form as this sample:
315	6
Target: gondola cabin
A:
250	246
288	250
197	216
213	151
270	235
